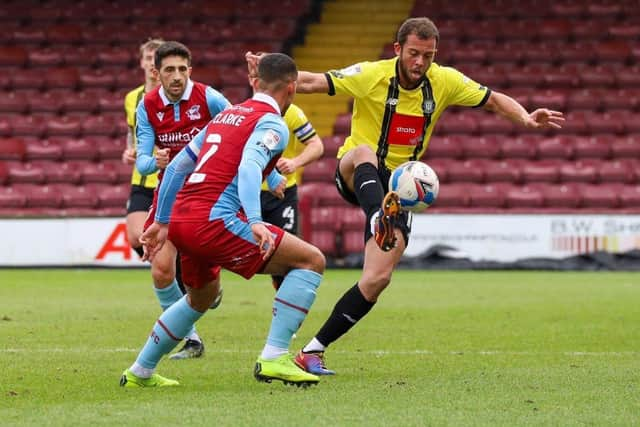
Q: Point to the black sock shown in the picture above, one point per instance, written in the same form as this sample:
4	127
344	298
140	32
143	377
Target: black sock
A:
276	281
139	250
347	312
368	188
179	275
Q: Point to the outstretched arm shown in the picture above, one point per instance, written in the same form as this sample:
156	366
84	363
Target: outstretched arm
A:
541	118
307	82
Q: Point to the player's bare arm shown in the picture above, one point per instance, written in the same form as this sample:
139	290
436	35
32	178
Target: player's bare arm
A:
511	109
308	82
313	150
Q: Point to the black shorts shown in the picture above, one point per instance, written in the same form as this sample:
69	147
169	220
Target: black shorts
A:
404	218
281	212
140	199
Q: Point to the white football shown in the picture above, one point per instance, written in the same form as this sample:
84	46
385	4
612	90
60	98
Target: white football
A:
417	185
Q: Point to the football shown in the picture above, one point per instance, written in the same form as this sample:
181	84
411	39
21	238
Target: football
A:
416	184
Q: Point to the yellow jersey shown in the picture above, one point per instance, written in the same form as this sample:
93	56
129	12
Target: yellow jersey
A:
300	131
395	122
131	101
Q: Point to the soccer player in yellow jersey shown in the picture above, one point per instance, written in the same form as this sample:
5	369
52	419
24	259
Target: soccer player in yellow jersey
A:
397	103
304	147
142	186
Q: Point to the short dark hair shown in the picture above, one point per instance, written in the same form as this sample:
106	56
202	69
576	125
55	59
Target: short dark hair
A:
422	27
171	48
276	69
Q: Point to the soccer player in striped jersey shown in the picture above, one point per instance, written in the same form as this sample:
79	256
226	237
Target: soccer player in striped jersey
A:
168	118
397	104
216	223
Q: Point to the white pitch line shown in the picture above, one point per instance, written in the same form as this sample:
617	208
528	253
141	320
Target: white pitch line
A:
366	352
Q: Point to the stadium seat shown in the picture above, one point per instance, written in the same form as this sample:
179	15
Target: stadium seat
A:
597	77
627	147
352	242
557	147
79	56
14	102
61	77
85	101
14	56
453	196
630	119
115	56
28	78
446	147
326	218
466	171
102	172
541	171
554	29
530	76
332	144
60	172
575	124
457	123
621	171
111	196
11	199
325	240
46	57
508	170
29	36
352	218
77	197
342	125
628	77
611	122
523	197
40	196
520	147
564	196
494	124
629	197
625	99
486	147
64	34
605	198
101	124
37	149
595	147
12	149
111	102
46	102
29	125
97	78
108	148
322	170
586	99
64	126
579	171
4	173
487	196
77	149
555	99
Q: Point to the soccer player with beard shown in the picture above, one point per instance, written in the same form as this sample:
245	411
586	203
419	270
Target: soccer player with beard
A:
168	118
397	103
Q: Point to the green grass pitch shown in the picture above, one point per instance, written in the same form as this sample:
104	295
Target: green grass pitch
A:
439	348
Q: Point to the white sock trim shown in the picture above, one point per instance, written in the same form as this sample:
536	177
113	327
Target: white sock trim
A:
270	352
314	345
140	371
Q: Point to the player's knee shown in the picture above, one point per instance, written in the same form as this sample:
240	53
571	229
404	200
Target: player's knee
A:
316	260
162	274
364	154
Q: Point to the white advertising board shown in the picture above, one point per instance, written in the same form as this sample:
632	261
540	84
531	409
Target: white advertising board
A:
508	238
502	238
